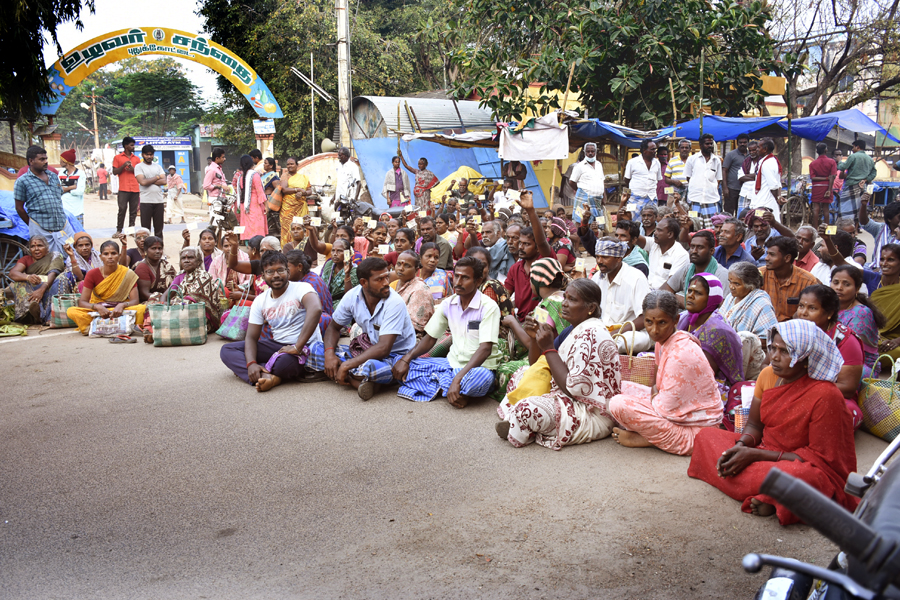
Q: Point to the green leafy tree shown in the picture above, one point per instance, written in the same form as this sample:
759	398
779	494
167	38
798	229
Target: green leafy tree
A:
273	36
23	77
625	52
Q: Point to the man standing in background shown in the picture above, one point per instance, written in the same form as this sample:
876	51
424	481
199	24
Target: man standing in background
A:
704	172
73	182
38	197
822	173
151	178
129	195
641	175
731	191
588	182
103	180
859	171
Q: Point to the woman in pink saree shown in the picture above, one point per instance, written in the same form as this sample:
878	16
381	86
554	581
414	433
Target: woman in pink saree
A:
685	399
251	206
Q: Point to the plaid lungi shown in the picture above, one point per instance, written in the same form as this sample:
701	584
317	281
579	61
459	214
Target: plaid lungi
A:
377	370
640	202
743	204
851	196
428	377
705	212
582	197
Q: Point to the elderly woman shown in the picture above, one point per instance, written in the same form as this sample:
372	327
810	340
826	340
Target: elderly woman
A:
414	291
339	275
300	240
34	282
584	365
720	343
108	290
819	304
155	274
195	285
685	399
82	257
798	424
132	256
750	313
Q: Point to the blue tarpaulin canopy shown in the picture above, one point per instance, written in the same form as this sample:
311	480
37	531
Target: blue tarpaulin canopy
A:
817	127
589	130
729	128
814	128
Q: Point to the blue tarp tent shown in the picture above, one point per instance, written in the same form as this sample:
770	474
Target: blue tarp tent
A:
375	159
581	132
728	128
817	127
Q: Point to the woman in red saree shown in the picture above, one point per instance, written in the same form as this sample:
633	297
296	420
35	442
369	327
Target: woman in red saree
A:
799	424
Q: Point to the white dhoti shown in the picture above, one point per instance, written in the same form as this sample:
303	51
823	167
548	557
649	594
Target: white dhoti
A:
174	206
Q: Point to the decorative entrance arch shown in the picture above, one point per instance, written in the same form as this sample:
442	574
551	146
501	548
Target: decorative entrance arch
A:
74	66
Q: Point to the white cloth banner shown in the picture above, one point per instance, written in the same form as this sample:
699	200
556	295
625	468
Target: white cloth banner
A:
547	140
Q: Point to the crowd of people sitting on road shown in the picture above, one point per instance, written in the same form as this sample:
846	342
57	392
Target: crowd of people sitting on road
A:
465	300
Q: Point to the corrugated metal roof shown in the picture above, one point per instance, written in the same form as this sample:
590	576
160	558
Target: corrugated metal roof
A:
428	114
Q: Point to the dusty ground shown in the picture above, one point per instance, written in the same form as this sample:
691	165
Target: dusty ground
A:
141	472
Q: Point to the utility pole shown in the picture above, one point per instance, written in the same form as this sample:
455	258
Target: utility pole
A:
312	102
343	48
93	109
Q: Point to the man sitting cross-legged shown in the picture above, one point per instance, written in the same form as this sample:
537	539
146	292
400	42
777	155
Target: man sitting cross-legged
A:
387	333
292	310
474	323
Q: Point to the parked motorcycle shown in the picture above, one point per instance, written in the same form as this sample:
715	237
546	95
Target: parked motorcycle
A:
868	565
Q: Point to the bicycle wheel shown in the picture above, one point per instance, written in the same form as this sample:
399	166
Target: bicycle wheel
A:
794	212
11	250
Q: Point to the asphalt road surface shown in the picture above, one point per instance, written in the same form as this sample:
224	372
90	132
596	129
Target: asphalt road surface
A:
128	471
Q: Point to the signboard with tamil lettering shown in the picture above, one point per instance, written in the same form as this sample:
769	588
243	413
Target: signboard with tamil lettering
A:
75	65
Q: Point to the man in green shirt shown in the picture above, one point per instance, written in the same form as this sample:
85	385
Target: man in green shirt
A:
859	171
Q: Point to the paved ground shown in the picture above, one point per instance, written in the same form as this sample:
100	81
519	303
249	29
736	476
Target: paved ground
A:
141	472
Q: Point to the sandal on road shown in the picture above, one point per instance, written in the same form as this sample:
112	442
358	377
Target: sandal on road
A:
122	339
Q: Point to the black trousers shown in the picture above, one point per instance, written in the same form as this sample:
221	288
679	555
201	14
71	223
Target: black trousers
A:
103	192
153	214
128	201
731	205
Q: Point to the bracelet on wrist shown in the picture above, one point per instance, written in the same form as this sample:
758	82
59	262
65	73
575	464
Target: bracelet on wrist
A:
252	362
549	350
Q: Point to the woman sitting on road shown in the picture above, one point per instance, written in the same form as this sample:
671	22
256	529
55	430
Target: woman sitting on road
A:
557	232
413	291
887	299
437	280
82	258
155	274
195	285
339	276
300	240
720	343
108	291
819	304
750	313
858	313
685	399
34	282
404	239
798	424
584	364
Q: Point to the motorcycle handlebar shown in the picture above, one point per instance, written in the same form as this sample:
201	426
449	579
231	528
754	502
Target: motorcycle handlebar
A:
831	520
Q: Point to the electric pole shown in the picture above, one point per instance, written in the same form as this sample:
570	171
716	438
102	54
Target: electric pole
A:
93	109
343	48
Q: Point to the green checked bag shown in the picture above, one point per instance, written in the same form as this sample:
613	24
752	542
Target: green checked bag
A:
180	324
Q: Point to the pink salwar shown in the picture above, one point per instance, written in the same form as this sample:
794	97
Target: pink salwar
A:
687	402
254	222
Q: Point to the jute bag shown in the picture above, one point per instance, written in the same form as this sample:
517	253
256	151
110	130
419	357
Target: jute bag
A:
879	400
636	369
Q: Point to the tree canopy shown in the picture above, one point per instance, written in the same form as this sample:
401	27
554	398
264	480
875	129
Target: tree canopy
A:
625	52
23	77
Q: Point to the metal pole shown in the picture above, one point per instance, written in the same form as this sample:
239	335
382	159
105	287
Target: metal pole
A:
343	44
94	110
312	103
702	60
12	136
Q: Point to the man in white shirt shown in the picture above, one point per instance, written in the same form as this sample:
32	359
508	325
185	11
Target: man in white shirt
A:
292	310
747	177
704	172
623	289
151	177
641	176
767	188
347	177
589	181
666	254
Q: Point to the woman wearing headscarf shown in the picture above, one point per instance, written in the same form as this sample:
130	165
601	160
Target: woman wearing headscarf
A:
798	423
547	283
34	281
558	237
583	363
251	205
719	341
749	311
685	399
82	258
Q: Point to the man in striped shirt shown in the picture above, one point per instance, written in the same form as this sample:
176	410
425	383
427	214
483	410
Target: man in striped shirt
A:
675	169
